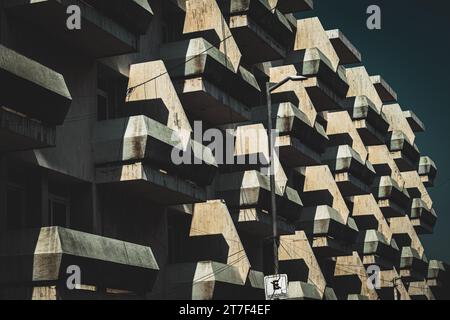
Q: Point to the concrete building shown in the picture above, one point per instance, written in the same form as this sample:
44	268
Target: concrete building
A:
90	120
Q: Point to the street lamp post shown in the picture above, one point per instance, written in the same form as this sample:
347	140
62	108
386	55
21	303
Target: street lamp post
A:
270	87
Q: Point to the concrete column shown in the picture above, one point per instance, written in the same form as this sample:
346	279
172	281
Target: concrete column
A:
45	222
3	183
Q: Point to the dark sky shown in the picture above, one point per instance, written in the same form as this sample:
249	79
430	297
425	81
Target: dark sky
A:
412	53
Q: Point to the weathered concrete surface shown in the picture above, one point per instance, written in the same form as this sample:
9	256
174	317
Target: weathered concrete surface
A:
32	89
41	256
99	37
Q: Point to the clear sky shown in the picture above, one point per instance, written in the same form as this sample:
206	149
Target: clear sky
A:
412	53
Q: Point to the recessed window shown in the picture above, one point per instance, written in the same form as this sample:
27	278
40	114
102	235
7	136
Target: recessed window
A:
111	93
59	211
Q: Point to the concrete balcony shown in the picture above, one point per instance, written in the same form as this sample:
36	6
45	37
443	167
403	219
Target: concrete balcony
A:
32	89
386	93
141	139
205	101
326	87
299	143
251	189
262	32
427	171
135	15
412	266
289	6
353	175
40	257
372	125
33	101
299	290
99	36
375	249
136	153
18	133
419	290
331	235
258	222
393	200
210	280
414	122
346	51
438	279
422	218
197	58
405	154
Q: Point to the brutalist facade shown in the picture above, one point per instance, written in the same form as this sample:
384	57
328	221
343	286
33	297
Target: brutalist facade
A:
91	118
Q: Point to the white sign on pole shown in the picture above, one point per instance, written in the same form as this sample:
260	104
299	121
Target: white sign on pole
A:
276	286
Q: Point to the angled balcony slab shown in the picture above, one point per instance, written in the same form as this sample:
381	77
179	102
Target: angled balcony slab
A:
353	175
258	222
205	101
40	257
257	44
405	154
299	143
415	123
135	15
297	259
270	20
419	290
139	138
289	6
346	51
438	279
413	267
150	183
32	89
350	279
198	58
251	189
312	63
331	234
386	93
393	200
299	290
422	217
100	36
372	125
205	280
19	133
375	249
427	171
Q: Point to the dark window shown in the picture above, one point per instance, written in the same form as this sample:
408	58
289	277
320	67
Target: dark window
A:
59	211
14	207
111	94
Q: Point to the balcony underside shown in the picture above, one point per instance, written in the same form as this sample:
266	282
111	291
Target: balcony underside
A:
294	153
205	101
40	257
254	42
208	280
257	222
299	290
195	58
251	189
18	133
32	89
150	183
136	15
98	37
